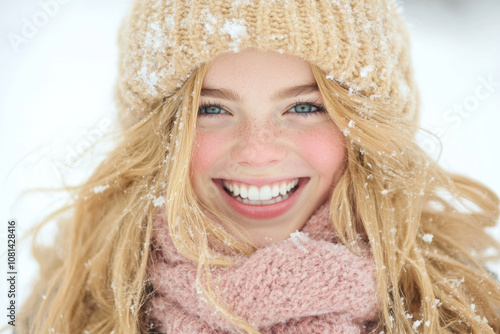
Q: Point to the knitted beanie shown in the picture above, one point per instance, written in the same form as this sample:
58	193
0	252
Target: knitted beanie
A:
361	44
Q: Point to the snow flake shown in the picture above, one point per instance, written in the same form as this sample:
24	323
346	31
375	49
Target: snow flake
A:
240	3
427	237
275	37
228	242
210	23
351	123
428	323
158	201
455	283
236	29
149	78
100	189
364	71
199	291
298	237
155	37
169	22
416	324
490	251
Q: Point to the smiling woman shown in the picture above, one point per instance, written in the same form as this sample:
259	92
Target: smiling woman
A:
267	180
253	143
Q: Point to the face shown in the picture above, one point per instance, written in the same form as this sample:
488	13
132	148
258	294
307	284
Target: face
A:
266	153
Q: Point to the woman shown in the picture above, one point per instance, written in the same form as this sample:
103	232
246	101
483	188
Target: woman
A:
363	194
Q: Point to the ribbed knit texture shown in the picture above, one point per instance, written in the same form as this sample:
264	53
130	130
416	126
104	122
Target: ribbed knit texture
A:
361	44
308	283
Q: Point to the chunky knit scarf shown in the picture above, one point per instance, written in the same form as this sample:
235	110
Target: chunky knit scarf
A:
309	283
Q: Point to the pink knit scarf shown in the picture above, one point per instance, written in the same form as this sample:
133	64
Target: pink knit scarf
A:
309	283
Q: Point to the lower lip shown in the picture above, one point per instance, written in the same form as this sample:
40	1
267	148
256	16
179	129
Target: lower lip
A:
263	211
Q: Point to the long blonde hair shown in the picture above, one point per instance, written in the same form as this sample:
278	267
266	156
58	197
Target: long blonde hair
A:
425	226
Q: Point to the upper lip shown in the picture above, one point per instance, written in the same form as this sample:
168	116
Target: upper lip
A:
260	181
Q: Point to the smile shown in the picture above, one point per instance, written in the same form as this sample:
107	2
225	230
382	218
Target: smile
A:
264	195
260	199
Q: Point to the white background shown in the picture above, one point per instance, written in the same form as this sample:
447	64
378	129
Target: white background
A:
56	97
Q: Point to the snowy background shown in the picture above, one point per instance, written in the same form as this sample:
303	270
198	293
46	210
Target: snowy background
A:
56	97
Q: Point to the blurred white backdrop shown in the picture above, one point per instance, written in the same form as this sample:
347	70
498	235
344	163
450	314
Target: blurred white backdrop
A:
58	65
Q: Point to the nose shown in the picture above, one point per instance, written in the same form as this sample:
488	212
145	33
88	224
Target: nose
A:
259	145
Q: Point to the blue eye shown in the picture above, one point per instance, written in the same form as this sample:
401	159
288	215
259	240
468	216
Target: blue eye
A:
210	110
306	109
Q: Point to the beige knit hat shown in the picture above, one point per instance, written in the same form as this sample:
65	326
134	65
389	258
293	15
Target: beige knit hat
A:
361	44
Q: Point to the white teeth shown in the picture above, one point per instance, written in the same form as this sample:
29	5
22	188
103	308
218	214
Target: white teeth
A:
243	192
253	193
283	188
265	193
276	191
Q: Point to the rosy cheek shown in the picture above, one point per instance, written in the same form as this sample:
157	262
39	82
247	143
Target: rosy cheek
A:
324	148
208	148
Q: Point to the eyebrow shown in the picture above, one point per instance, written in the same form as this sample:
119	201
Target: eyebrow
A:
231	95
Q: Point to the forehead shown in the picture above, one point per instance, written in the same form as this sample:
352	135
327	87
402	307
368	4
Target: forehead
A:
253	68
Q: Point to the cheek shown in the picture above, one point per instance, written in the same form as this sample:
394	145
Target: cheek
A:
209	147
324	149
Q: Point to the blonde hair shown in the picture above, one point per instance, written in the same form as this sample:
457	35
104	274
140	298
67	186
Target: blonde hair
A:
425	226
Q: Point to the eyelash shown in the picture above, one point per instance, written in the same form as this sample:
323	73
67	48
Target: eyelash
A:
319	109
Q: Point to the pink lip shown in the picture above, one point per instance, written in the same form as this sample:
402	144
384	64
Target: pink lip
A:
262	211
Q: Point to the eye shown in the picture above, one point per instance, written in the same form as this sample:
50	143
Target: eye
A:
211	110
306	109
